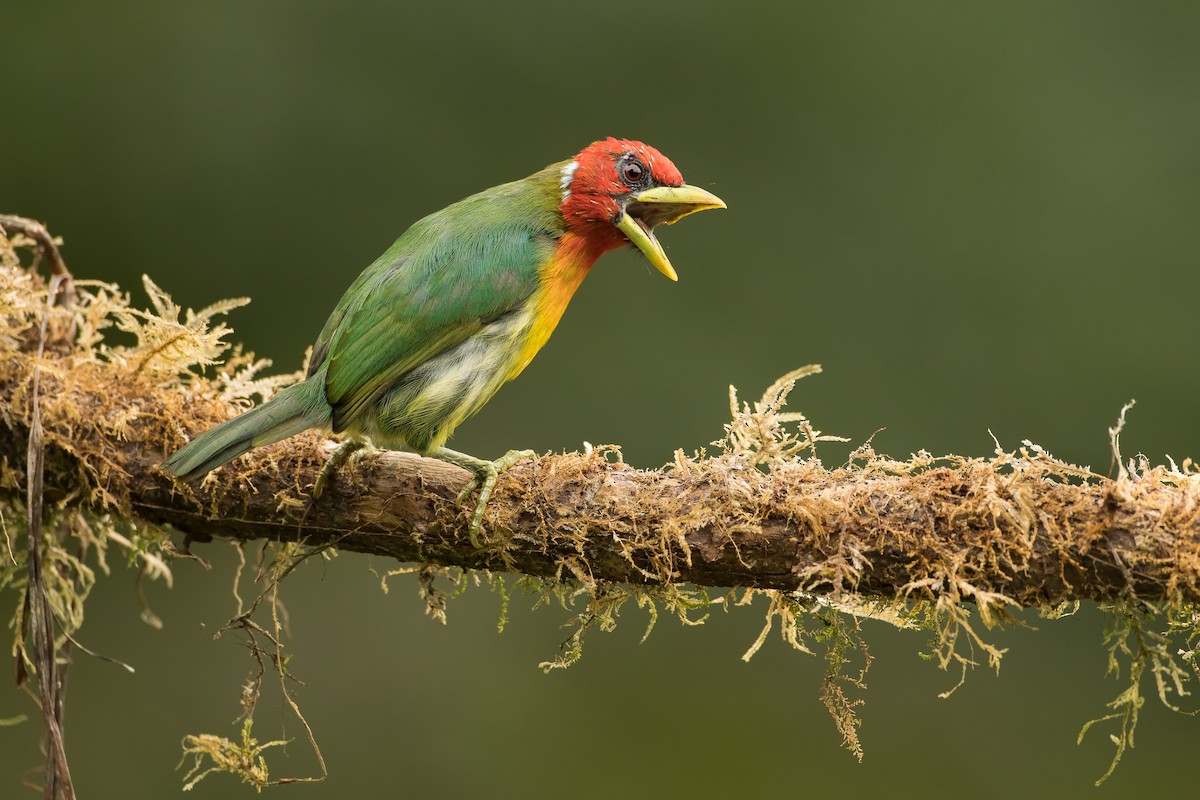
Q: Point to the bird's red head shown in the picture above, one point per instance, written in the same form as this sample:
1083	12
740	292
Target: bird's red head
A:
616	191
604	173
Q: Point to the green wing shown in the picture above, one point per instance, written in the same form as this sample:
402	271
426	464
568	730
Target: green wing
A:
443	280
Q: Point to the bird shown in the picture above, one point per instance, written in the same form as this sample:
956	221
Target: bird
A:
458	306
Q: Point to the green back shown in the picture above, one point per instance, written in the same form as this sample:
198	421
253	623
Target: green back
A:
440	282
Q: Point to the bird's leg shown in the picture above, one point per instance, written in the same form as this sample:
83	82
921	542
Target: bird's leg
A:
348	451
486	473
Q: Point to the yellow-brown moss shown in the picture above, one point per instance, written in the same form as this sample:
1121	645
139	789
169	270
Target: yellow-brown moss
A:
111	412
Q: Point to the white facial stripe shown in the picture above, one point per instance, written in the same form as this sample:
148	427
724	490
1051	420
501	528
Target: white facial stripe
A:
568	173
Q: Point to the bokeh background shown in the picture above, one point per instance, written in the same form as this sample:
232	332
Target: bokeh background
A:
977	217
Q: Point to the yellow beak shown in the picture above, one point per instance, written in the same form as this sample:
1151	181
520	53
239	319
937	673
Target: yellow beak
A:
661	205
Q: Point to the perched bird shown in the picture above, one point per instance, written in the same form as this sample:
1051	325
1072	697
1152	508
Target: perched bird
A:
457	307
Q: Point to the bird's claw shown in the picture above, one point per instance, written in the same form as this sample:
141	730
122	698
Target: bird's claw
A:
348	452
465	492
486	473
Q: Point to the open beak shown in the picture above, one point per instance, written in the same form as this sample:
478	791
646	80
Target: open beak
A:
661	205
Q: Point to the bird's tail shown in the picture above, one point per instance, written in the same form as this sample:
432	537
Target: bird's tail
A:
295	409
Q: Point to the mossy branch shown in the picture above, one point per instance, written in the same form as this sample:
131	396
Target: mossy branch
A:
1018	528
1012	526
908	541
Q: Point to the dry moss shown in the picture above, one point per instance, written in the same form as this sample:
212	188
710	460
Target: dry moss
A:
243	759
93	392
111	411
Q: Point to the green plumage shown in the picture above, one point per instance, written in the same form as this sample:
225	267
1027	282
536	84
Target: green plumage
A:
423	337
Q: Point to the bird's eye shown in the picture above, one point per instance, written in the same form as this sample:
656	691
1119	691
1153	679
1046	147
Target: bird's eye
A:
632	172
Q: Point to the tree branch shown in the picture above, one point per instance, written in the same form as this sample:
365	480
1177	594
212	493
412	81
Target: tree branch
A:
1022	527
878	529
898	540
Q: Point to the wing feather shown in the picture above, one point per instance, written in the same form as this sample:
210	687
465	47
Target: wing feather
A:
435	287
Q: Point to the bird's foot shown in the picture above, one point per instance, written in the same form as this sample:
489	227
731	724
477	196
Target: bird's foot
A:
486	473
348	452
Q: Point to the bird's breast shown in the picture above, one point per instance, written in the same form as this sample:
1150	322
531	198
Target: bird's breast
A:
559	277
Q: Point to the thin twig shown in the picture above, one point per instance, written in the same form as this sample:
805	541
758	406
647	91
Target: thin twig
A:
49	250
51	678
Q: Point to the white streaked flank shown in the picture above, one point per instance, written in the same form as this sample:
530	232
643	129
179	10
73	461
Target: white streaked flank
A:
441	393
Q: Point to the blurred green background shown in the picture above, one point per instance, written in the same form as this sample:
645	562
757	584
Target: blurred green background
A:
977	217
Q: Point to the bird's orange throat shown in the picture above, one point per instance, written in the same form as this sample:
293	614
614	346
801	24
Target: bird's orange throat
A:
560	277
